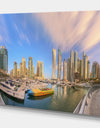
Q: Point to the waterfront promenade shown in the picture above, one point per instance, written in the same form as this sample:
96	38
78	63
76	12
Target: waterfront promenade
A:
93	104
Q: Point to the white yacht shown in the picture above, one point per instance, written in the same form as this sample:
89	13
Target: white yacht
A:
12	90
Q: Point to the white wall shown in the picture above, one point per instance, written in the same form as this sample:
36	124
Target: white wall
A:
12	117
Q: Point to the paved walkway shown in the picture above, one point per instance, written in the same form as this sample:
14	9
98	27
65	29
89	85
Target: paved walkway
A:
1	101
93	104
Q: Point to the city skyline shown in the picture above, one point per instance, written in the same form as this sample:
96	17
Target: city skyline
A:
36	38
70	67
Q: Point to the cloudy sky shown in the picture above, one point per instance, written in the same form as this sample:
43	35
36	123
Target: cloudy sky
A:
36	34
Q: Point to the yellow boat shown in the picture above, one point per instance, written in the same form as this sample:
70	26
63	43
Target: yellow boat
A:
40	92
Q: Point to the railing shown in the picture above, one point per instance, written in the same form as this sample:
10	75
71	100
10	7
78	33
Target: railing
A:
81	106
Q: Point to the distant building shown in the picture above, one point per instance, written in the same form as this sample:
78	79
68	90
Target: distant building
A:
15	70
75	61
33	71
85	60
68	69
95	70
81	69
30	67
65	70
72	66
18	72
23	67
26	73
20	69
11	73
4	59
88	70
78	65
53	63
59	65
39	69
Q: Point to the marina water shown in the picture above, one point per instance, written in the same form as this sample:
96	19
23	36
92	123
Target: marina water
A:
64	99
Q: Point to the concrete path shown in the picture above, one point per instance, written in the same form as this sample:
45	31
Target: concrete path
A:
93	104
1	101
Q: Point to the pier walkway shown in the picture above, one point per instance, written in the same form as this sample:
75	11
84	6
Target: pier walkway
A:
1	101
93	104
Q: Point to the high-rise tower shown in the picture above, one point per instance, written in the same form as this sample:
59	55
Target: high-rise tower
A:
72	66
23	67
95	70
4	59
30	67
85	60
15	69
65	70
53	63
59	64
88	69
75	61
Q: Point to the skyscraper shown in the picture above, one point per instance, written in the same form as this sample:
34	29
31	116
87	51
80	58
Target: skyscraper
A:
65	70
40	69
81	69
75	61
30	67
18	73
23	67
20	69
11	73
71	66
26	73
78	65
53	63
88	69
95	70
15	69
85	59
4	59
33	71
59	64
68	68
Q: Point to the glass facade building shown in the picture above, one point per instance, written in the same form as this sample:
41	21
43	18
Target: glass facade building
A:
3	59
59	64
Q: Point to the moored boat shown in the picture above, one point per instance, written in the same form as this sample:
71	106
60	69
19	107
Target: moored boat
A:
40	92
11	90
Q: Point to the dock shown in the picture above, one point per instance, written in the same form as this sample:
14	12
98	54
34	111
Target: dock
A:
1	101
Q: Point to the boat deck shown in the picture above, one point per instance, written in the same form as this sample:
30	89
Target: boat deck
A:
16	94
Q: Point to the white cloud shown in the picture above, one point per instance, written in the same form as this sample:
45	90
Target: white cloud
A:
4	35
66	29
21	35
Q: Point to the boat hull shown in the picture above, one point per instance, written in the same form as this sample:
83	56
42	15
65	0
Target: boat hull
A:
39	92
12	93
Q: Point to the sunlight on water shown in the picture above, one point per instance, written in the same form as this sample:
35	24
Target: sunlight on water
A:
63	99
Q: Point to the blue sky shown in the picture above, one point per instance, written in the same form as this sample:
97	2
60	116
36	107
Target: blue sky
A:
37	34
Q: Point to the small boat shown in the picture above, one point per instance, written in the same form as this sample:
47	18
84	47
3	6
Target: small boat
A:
40	92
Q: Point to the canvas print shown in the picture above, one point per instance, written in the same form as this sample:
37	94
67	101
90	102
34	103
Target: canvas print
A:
51	61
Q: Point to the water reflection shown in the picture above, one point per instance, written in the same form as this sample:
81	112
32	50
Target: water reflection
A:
63	99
